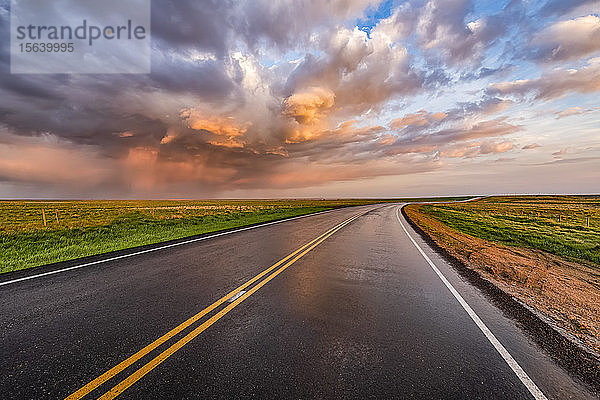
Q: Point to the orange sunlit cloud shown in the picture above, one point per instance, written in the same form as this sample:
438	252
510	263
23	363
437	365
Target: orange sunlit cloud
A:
320	98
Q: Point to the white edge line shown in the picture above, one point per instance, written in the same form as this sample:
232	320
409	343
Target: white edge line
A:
512	363
162	247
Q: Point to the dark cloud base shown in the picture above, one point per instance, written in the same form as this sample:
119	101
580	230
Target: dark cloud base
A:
266	95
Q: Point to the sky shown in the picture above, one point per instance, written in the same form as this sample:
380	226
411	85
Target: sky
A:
339	98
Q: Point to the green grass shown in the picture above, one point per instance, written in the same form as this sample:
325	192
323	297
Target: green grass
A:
87	228
568	226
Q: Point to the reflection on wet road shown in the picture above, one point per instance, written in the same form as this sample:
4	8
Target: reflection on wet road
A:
347	308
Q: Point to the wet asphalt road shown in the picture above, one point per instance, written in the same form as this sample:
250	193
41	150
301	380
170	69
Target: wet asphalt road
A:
362	315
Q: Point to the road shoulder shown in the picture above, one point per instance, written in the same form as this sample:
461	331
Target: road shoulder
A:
570	353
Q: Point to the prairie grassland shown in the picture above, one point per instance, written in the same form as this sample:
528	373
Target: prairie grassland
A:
34	233
543	250
567	226
28	216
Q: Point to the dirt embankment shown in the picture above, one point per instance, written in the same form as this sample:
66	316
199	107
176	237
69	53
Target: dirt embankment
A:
565	292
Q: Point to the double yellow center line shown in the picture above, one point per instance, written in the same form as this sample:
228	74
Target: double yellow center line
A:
270	273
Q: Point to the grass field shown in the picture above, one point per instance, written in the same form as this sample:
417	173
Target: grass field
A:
35	233
567	226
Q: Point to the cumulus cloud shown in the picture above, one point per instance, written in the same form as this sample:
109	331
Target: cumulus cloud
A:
291	23
421	118
287	94
362	72
488	105
560	7
568	40
555	83
474	149
442	26
483	129
309	106
219	125
457	139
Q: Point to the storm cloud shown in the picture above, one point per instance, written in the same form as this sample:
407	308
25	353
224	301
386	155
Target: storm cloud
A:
248	95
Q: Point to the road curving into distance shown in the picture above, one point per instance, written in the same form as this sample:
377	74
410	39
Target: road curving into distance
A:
350	303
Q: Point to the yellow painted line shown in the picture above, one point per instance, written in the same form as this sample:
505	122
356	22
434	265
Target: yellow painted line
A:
137	375
83	391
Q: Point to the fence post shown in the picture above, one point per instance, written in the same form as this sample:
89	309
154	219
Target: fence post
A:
44	216
56	216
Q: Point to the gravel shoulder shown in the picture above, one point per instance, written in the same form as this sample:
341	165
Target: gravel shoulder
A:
557	301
